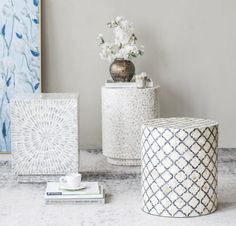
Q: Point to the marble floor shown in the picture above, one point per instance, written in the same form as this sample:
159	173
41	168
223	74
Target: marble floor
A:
23	204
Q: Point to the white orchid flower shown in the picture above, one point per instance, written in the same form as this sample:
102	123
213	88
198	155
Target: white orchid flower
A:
124	45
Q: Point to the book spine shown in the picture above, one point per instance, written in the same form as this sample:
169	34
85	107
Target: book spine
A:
128	85
74	202
67	196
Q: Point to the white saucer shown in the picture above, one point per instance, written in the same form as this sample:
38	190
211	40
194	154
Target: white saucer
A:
65	186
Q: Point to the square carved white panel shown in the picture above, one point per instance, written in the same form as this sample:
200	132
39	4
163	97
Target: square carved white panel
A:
45	134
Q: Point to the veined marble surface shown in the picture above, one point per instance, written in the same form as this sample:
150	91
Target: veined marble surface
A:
23	204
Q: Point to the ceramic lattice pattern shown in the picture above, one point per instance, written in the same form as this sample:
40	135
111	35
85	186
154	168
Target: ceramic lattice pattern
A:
123	112
179	167
45	134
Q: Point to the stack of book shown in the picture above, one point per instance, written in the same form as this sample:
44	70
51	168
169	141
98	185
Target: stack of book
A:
90	193
131	84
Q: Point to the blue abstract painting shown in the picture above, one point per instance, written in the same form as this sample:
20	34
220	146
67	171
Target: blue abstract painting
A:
20	65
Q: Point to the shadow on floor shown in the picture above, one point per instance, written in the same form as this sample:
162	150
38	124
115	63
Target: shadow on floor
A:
108	198
223	206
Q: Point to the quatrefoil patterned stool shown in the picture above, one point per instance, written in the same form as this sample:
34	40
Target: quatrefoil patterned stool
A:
179	167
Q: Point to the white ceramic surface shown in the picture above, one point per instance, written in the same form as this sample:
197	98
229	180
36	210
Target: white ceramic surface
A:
72	180
123	112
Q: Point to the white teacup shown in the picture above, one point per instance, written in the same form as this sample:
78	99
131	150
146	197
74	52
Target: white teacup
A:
73	180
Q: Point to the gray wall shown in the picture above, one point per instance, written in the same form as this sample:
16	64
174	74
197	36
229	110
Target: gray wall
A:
190	49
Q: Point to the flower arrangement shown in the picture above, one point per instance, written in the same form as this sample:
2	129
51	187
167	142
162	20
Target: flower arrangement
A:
124	44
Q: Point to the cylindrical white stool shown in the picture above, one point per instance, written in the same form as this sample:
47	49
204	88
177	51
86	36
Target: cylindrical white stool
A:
123	112
179	167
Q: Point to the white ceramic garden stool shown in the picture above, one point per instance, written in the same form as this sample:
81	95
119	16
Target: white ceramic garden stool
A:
123	112
45	142
179	167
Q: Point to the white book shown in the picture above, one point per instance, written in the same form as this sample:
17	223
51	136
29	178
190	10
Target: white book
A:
56	189
131	84
75	201
75	196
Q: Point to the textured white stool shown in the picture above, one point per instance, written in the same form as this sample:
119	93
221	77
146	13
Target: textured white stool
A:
123	112
179	167
44	136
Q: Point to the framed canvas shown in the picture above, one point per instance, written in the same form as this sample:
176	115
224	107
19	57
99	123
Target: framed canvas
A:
20	57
